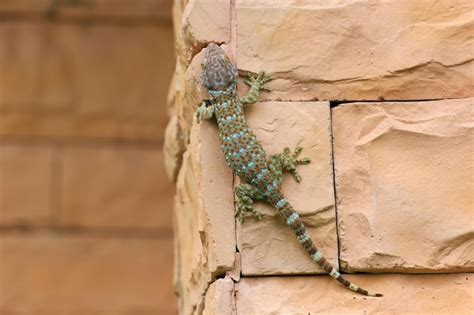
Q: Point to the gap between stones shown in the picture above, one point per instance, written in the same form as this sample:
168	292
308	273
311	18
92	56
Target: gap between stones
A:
336	103
338	242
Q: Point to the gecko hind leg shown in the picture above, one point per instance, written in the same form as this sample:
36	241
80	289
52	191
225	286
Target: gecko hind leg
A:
245	195
287	161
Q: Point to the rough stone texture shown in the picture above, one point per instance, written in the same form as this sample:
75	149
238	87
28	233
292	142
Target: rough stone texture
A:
404	185
25	185
202	21
177	130
268	246
188	96
173	148
61	80
101	9
220	298
51	274
204	218
359	50
116	186
403	294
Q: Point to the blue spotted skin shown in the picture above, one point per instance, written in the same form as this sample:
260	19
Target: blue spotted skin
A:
245	155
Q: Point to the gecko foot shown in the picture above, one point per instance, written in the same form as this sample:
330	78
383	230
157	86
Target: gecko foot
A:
292	162
245	195
261	78
204	112
287	161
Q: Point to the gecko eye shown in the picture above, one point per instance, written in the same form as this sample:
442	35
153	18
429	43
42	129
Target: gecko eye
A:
203	66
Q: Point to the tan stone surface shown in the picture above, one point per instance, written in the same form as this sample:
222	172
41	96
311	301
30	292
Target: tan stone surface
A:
177	16
188	95
404	182
102	9
25	184
177	130
202	21
173	148
204	218
268	246
220	298
359	50
115	186
404	294
66	274
84	80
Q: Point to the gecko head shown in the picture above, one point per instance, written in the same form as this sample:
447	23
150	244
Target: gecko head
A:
219	72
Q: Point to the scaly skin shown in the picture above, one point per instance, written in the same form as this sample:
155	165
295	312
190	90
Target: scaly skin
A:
245	156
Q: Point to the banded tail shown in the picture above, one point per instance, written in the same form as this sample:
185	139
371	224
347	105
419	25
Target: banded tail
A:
291	218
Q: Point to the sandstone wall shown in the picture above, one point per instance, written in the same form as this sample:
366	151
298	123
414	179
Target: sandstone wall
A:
85	203
381	97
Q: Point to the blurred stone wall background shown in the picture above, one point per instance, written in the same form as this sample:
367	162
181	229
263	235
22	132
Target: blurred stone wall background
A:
85	205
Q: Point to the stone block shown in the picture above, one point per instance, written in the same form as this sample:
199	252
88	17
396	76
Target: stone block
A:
99	81
26	181
220	297
268	246
204	218
57	274
202	21
403	294
359	50
115	186
404	183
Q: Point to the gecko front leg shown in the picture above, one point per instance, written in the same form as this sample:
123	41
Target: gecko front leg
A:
204	111
257	83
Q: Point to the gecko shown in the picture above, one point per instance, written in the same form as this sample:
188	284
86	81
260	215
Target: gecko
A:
245	156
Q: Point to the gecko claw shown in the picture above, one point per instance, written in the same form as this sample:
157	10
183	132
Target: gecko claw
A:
303	161
296	176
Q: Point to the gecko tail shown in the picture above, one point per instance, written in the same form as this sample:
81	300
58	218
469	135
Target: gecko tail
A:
291	218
